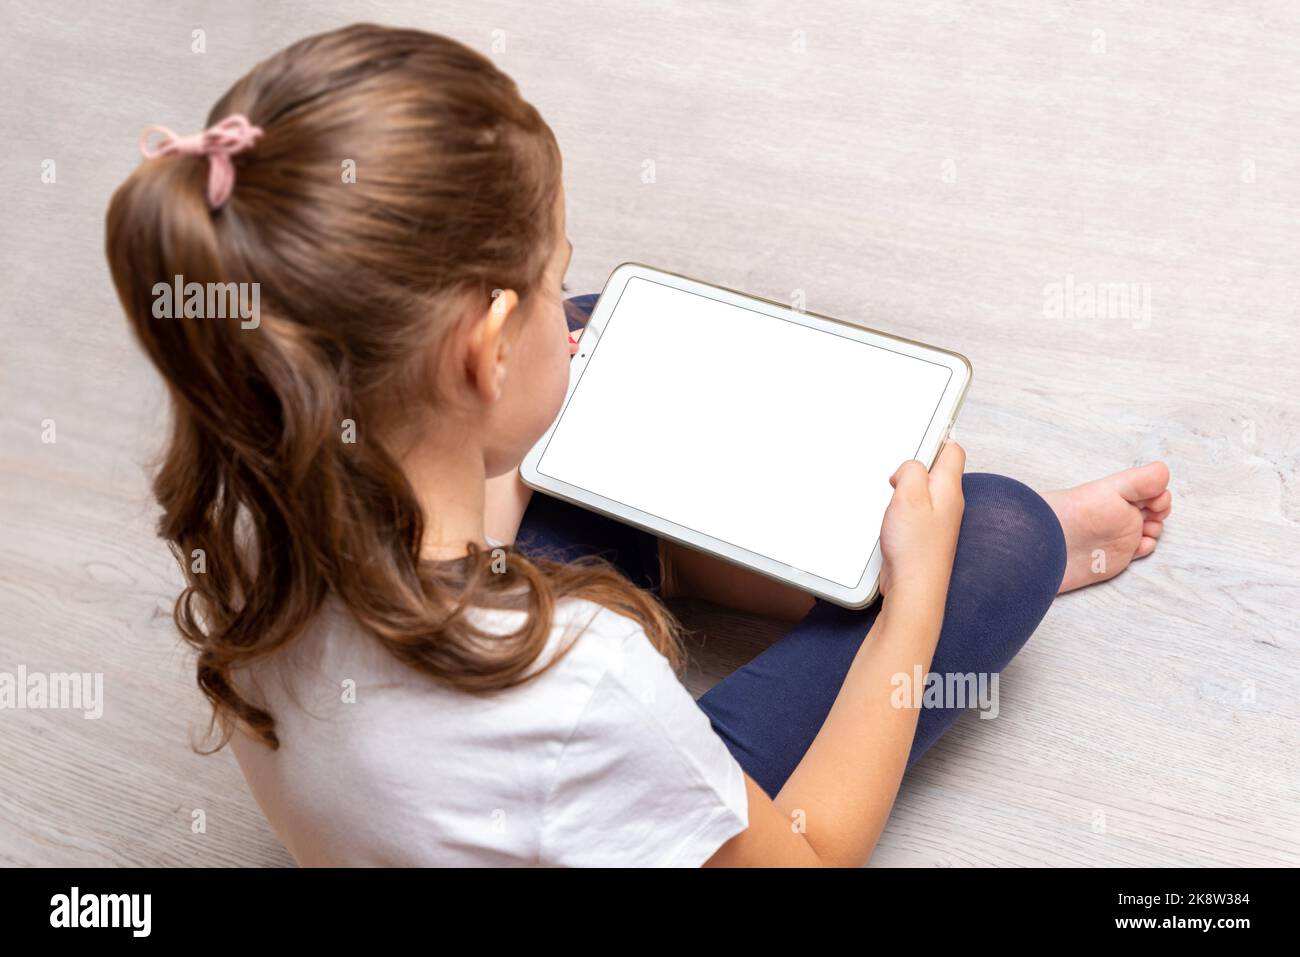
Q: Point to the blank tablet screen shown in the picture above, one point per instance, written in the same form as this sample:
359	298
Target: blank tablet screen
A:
751	429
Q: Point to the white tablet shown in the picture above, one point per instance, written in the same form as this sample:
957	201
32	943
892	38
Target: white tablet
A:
745	428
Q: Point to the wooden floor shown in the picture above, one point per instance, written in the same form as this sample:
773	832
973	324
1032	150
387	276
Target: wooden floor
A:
940	170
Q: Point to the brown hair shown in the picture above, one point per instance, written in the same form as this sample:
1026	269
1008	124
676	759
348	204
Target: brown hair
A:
360	282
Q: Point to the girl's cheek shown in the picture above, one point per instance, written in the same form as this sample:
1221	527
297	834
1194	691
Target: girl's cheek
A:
561	364
554	359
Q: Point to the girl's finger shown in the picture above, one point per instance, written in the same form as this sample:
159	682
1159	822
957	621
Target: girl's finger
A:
911	482
945	477
951	462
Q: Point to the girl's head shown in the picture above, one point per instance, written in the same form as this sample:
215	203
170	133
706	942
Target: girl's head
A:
401	217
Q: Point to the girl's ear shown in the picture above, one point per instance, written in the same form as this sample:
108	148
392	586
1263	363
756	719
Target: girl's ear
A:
485	359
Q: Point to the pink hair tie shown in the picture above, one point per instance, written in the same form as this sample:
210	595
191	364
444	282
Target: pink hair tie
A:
218	142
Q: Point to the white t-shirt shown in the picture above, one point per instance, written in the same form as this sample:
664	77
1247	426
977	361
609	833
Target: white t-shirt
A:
605	759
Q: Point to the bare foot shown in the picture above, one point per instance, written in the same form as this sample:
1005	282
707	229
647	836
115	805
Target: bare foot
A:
1111	521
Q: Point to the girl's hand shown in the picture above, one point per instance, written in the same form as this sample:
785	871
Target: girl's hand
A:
919	535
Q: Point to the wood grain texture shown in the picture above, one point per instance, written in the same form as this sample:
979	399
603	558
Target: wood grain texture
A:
927	168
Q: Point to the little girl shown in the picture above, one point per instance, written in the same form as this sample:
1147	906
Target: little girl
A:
417	662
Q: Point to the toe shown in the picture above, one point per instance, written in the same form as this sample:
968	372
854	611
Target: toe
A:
1150	516
1144	482
1145	547
1152	529
1161	503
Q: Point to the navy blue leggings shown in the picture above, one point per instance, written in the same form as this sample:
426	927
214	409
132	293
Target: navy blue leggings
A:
1009	564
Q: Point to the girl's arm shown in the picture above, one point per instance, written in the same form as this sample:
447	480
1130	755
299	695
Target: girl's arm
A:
695	574
834	806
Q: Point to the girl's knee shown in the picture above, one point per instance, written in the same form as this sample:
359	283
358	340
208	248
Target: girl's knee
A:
1009	521
1010	554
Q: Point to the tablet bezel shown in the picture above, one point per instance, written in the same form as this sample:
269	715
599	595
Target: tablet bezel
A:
857	596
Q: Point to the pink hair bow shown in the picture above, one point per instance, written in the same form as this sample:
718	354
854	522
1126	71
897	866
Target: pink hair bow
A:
218	142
